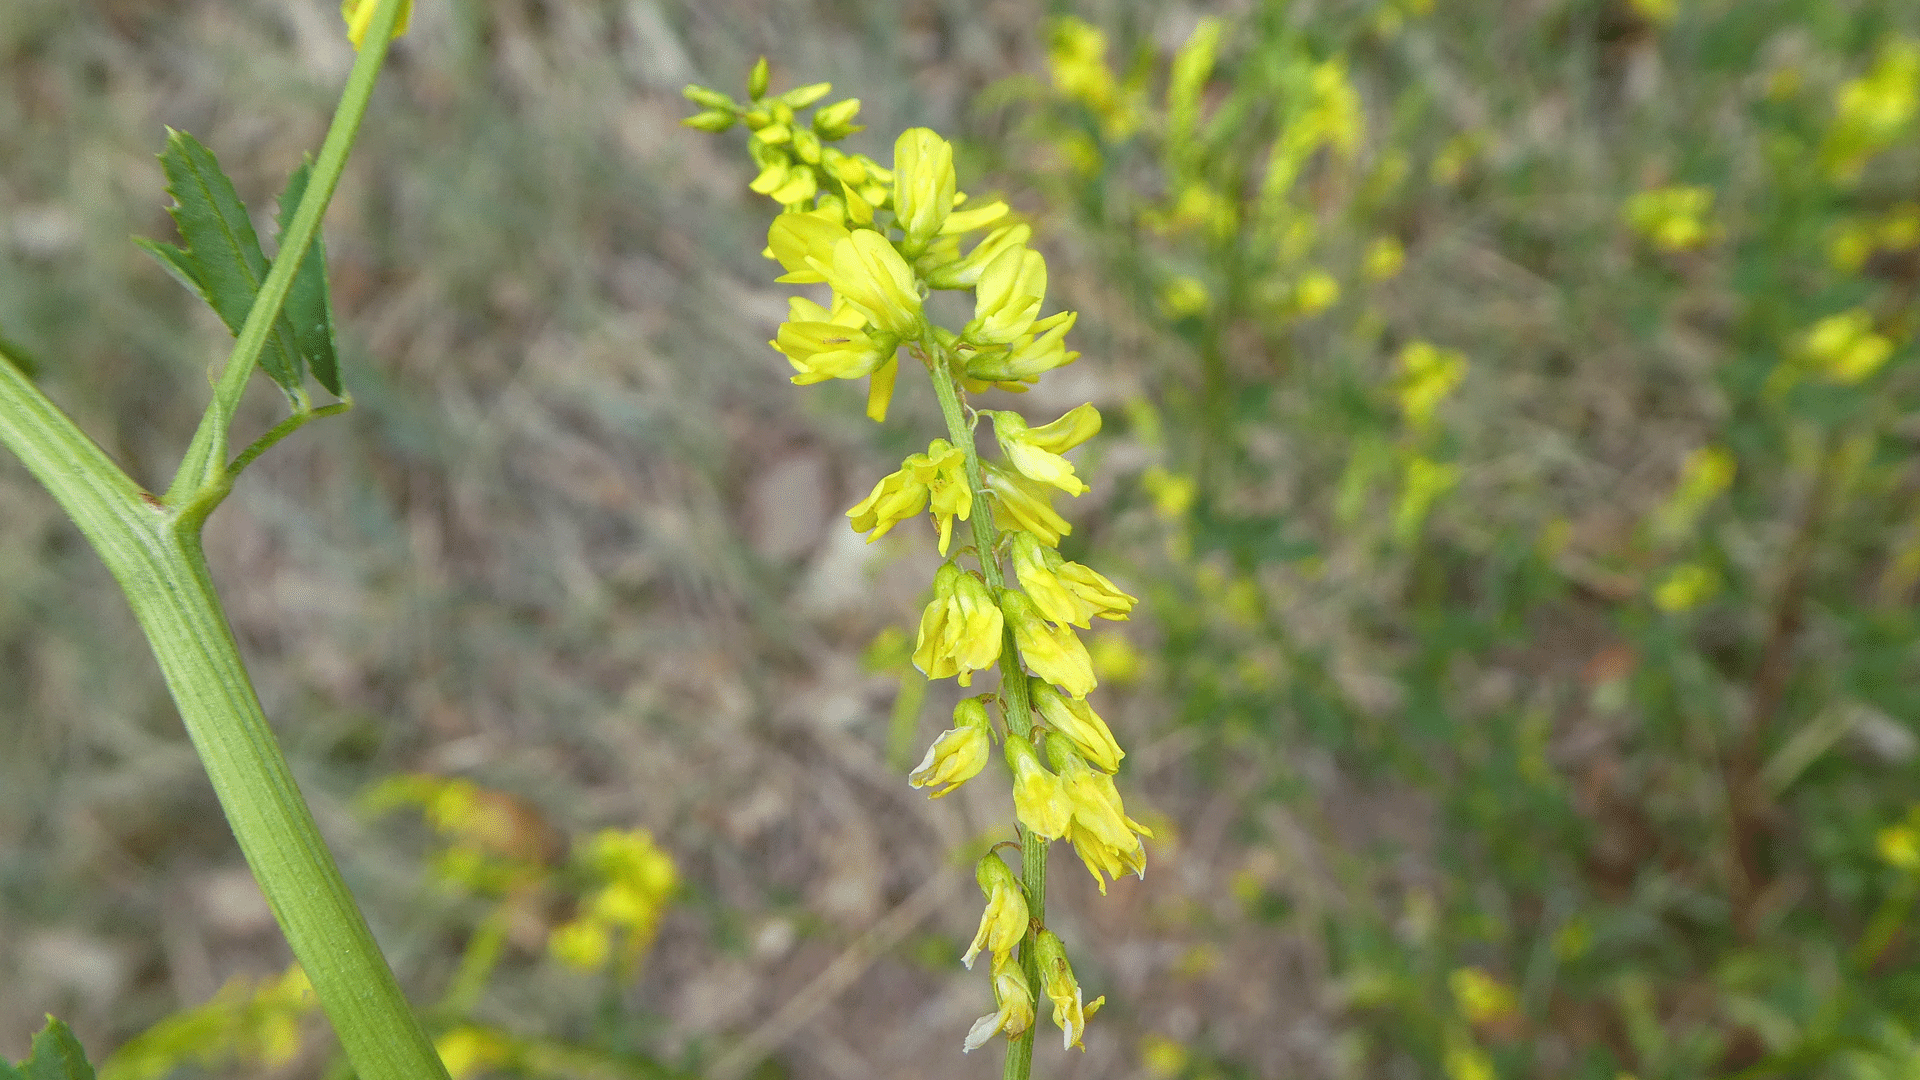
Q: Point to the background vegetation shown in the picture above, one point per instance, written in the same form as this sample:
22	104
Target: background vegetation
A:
1510	434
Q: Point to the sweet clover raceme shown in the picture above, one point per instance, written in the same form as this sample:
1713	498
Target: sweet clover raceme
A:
883	238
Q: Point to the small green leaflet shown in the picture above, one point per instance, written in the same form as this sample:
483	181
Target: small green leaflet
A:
223	263
56	1056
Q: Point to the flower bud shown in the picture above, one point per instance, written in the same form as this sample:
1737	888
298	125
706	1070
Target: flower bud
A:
961	630
958	755
1076	720
923	183
359	18
1058	983
1008	297
712	100
714	120
1052	652
1027	504
1014	1014
835	121
802	96
978	217
1005	921
1039	800
757	80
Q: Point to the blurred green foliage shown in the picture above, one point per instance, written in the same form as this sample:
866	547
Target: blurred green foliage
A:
1538	440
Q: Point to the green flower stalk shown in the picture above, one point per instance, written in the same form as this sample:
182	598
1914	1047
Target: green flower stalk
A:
883	239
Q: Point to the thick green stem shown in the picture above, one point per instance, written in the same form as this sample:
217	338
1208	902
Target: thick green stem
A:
1018	704
152	547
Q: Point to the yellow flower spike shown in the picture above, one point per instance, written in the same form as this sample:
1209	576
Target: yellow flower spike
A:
1039	799
1004	922
359	18
923	183
898	496
1036	451
1027	504
965	274
880	393
1095	800
958	754
870	275
1013	1014
1031	354
1008	297
795	238
949	493
1053	652
1079	723
961	629
1057	981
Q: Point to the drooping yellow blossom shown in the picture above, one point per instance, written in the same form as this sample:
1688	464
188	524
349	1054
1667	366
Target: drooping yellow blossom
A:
1031	354
1065	592
961	629
923	183
1004	922
1027	505
1096	802
1076	720
1103	860
869	274
948	492
1058	983
1013	1014
960	752
799	241
1039	800
1053	652
1008	297
898	496
359	17
1036	451
820	351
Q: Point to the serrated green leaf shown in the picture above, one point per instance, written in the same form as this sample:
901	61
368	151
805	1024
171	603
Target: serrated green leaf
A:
309	309
220	257
56	1055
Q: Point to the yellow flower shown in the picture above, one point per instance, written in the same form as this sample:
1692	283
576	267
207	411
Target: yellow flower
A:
1053	652
1030	355
1057	981
959	754
1027	504
1008	297
869	274
467	1050
979	217
820	351
1065	592
961	630
1039	800
1036	451
1095	799
1014	1008
923	184
359	17
582	944
1101	859
798	241
897	497
965	273
1079	723
1005	921
1899	846
951	496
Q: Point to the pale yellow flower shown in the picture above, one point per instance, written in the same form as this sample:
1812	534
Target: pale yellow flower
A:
1076	720
1028	505
898	496
961	629
1031	355
869	274
1053	652
1039	800
359	17
959	753
923	183
1004	922
1035	452
1013	1014
1057	981
798	241
965	273
1064	591
1007	299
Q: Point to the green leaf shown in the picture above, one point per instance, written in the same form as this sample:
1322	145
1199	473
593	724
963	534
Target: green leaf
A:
221	259
56	1056
19	357
309	310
